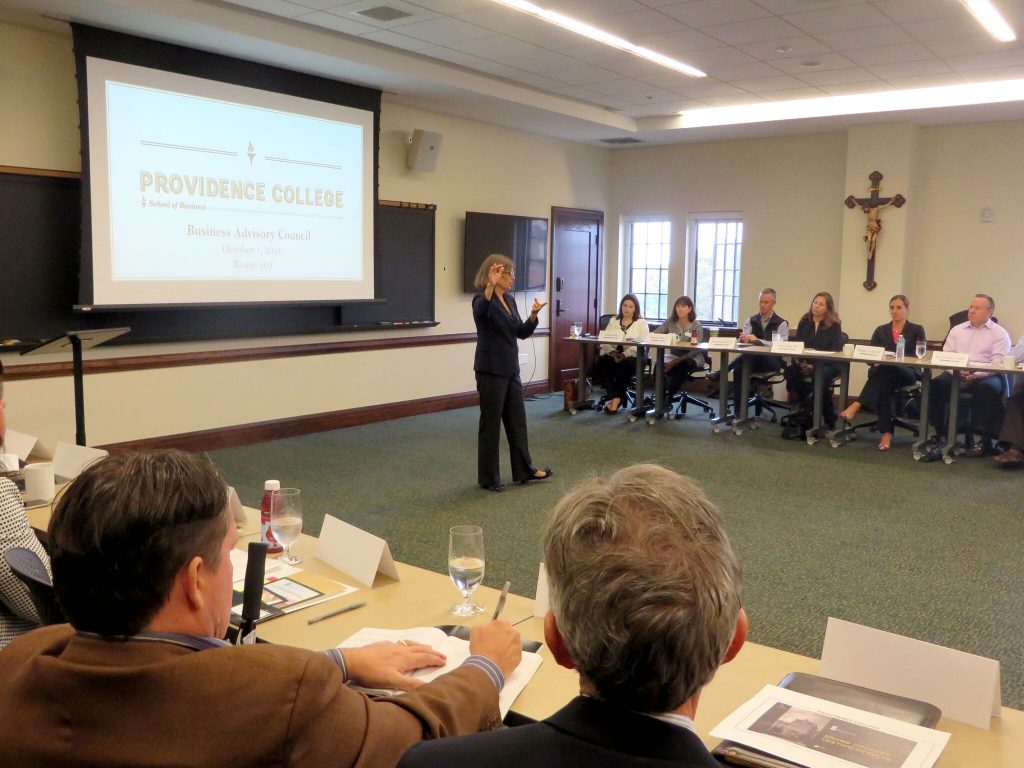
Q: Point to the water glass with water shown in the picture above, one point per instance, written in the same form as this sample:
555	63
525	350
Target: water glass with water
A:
466	565
286	520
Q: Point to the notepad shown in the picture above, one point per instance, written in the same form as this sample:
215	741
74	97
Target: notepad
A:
455	650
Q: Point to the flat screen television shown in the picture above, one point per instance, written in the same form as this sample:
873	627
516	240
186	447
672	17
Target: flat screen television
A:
522	238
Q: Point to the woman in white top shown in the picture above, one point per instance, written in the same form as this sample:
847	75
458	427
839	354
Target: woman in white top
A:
17	613
616	364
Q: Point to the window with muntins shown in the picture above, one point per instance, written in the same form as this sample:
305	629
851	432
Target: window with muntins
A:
717	246
649	244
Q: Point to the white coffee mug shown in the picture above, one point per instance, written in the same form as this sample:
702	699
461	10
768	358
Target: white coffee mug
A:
848	349
39	481
1009	362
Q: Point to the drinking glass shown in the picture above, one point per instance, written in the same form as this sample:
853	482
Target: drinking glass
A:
286	520
466	565
920	349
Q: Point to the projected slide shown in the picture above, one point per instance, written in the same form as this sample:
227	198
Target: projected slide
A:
204	192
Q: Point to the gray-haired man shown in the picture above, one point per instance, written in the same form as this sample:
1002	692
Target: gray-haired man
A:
645	605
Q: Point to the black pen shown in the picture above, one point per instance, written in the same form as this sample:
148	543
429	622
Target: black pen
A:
338	612
501	600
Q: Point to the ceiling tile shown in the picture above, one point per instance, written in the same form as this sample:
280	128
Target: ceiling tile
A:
633	26
871	37
796	93
705	13
395	40
590	10
1010	58
796	6
837	77
653	96
551	37
745	71
731	101
911	69
797	47
960	46
501	19
712	58
682	41
825	61
595	53
276	7
762	84
890	54
497	47
619	87
450	7
902	11
540	82
988	75
849	89
582	75
857	16
445	31
592	97
752	31
700	89
926	81
540	62
937	29
337	23
640	69
315	5
350	10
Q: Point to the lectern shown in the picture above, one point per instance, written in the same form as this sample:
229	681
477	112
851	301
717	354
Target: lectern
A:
78	341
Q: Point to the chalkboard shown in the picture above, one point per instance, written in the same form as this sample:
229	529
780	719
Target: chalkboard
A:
40	233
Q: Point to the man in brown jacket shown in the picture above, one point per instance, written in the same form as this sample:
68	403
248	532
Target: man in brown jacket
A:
140	551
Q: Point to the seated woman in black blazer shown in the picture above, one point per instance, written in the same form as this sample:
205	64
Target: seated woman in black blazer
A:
819	328
616	364
879	392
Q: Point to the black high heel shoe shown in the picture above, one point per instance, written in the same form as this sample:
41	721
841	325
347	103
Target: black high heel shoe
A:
546	473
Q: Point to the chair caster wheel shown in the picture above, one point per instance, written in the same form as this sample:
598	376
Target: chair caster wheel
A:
754	425
632	418
573	411
835	443
947	459
737	431
812	440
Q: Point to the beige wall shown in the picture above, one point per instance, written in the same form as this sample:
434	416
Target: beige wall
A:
789	191
481	167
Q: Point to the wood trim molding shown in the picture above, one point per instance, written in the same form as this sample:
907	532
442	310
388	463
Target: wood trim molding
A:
244	434
215	357
12	169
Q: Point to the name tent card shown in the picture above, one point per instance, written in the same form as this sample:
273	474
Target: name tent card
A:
661	339
354	551
954	359
69	459
788	347
540	602
964	686
722	342
19	443
864	352
611	334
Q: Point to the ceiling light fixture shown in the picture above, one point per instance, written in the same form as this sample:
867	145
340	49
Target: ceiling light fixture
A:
990	19
600	36
856	104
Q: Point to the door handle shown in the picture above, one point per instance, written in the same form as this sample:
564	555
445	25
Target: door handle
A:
559	309
559	283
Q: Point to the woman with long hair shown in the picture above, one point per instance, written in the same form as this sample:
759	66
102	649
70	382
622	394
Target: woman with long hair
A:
680	364
617	362
819	328
496	364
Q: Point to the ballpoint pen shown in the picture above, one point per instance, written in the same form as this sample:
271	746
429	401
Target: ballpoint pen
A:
501	600
338	612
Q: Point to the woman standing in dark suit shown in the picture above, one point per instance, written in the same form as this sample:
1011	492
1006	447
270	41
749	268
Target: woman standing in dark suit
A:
879	392
498	326
819	328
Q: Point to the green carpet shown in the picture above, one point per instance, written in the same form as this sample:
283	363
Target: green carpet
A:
925	550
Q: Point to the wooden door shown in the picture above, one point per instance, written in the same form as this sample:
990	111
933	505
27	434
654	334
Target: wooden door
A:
576	266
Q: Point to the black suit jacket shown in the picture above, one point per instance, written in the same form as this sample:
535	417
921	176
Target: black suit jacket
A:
830	338
912	333
585	733
497	351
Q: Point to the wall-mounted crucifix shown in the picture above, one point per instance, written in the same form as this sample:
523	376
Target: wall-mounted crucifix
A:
872	206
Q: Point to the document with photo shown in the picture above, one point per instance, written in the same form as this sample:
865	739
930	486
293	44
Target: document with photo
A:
822	734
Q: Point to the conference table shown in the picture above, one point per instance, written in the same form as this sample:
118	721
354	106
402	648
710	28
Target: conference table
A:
423	598
842	360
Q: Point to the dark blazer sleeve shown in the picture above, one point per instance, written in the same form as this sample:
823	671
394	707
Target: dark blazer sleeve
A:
882	337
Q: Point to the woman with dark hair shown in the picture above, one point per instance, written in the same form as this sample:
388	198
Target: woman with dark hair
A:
617	362
680	364
498	326
819	328
879	393
17	613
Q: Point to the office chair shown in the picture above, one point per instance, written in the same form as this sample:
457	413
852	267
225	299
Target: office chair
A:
26	565
677	408
908	398
798	423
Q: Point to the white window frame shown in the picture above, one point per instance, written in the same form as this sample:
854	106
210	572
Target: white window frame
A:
729	314
626	249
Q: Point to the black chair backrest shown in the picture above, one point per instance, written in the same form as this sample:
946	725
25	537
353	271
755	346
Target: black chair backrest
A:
26	565
602	323
960	317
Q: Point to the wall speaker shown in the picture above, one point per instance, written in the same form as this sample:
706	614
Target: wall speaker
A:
424	147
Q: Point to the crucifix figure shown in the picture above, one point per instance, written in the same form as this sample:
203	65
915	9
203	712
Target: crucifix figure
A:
872	206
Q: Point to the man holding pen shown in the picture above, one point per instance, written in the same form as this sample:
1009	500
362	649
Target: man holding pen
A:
140	551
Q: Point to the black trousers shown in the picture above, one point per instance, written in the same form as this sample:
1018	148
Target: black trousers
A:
615	376
1012	431
501	402
986	407
676	375
879	393
758	364
804	388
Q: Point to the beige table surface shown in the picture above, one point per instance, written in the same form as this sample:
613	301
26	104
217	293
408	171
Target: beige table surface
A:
421	598
756	666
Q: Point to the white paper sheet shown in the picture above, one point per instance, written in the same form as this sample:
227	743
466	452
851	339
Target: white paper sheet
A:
455	650
822	734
